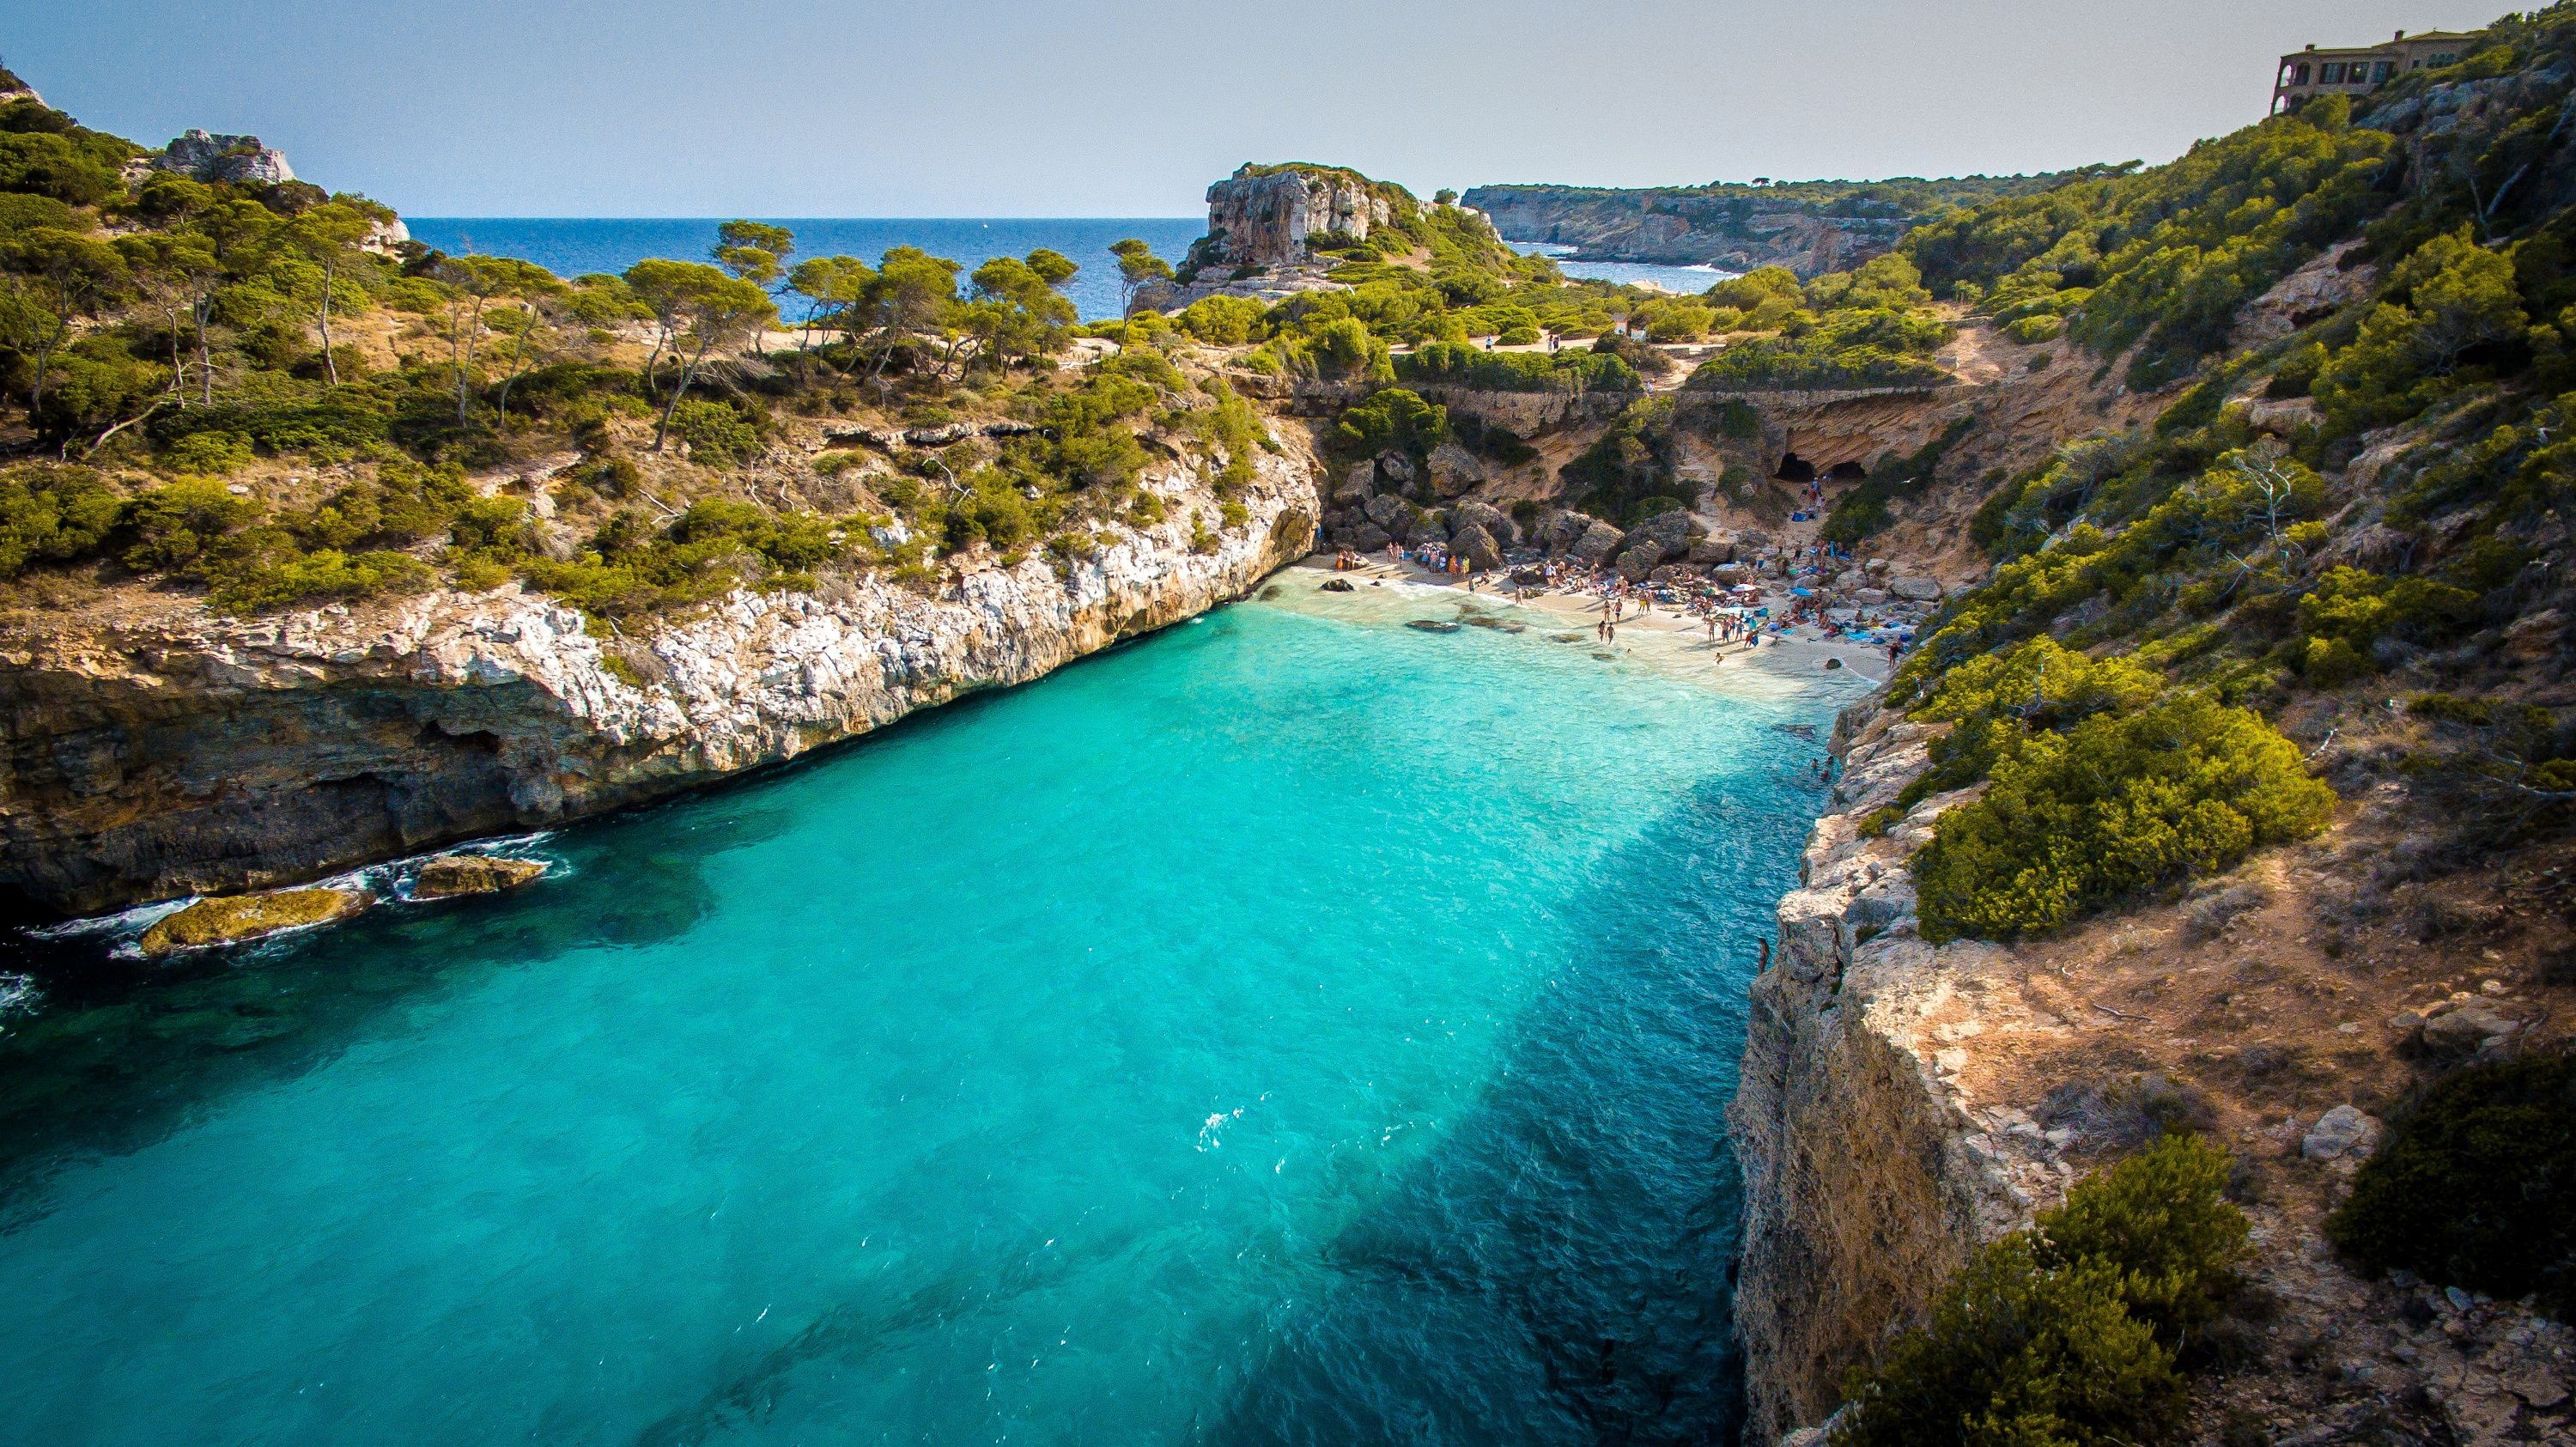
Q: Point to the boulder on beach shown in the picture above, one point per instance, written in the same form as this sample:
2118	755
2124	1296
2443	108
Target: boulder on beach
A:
1597	543
450	875
1493	520
1454	470
1669	535
1915	590
1369	537
1478	547
242	917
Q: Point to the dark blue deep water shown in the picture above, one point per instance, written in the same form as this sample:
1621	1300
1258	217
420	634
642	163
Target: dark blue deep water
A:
1290	1029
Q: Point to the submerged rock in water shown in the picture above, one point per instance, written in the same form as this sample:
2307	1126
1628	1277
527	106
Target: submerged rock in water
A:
248	917
453	874
1432	625
1339	585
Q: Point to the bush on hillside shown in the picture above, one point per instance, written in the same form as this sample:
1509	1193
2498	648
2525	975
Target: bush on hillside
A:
2115	806
1781	364
2068	1332
1393	419
2477	1186
1462	365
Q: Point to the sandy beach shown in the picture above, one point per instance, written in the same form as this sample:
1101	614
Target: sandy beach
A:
1668	640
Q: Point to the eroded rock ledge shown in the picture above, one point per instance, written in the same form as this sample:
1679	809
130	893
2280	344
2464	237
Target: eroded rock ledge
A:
178	752
1868	1178
1885	1127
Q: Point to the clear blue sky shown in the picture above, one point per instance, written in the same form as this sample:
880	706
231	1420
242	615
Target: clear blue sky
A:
1130	107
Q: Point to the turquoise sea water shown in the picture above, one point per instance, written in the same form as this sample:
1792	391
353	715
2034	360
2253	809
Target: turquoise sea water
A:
1292	1028
575	246
1679	280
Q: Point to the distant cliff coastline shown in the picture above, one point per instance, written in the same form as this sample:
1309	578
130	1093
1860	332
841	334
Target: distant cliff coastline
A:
1810	227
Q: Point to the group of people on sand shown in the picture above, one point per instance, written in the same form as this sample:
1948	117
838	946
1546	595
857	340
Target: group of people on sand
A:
1722	611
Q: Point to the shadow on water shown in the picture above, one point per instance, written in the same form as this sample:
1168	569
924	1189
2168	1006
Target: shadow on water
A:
1558	1269
119	1051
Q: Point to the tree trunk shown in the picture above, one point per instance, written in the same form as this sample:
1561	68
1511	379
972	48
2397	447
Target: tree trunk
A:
330	366
688	374
205	352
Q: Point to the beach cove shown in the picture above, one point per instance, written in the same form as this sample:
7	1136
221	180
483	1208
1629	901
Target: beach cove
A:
1282	1028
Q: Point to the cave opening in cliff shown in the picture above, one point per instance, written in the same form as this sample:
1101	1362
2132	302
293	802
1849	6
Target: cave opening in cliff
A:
1846	472
1794	468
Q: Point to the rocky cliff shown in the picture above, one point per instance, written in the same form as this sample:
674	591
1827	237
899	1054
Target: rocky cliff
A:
1810	227
1262	215
171	751
212	158
1902	1104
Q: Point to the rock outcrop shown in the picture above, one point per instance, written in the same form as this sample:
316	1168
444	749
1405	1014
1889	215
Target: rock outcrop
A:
450	875
240	159
1737	228
1263	215
1866	1179
186	753
243	918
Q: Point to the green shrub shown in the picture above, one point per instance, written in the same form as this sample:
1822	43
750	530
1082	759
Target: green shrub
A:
2349	610
2117	805
2031	331
717	434
213	454
1459	364
52	515
2477	1185
2067	1333
1994	700
309	577
1222	321
1630	468
1778	364
174	529
1393	419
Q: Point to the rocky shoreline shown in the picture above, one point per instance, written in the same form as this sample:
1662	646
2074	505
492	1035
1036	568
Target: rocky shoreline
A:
184	753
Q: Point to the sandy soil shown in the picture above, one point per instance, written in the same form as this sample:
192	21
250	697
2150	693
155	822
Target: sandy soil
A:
1668	641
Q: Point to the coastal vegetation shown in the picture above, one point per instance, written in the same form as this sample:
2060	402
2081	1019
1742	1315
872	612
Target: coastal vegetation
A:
2209	545
2075	1330
1873	327
2477	1186
246	388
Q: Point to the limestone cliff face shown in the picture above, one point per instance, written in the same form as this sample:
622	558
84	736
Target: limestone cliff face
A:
1736	231
1262	218
225	158
178	752
1868	1178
